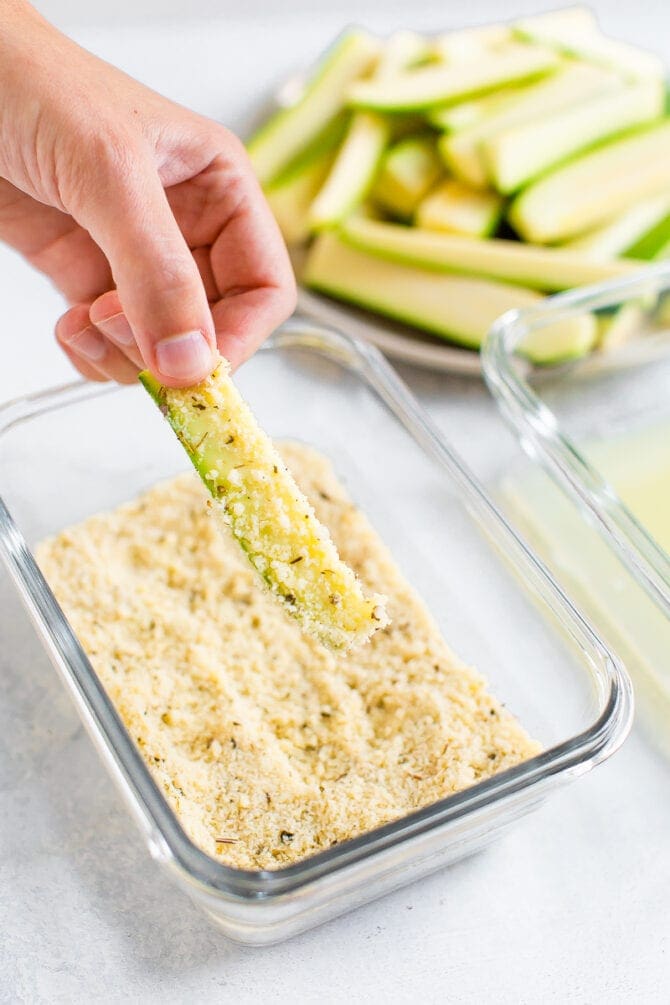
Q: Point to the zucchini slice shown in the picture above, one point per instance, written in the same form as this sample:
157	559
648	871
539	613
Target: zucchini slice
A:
459	209
454	118
292	129
359	157
353	172
548	269
254	494
409	169
458	308
652	246
623	325
595	187
582	42
621	234
436	84
570	85
517	155
290	196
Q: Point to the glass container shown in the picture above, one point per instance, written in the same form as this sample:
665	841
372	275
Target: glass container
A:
75	450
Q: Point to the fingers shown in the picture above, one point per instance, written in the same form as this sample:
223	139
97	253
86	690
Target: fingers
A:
87	371
173	306
106	313
108	316
257	286
248	259
255	279
91	351
157	279
203	261
244	320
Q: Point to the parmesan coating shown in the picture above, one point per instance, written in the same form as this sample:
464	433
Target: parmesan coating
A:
267	746
258	500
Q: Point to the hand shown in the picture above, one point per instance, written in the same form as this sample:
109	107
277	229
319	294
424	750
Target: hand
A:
146	216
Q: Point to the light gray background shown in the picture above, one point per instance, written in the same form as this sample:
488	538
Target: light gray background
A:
571	907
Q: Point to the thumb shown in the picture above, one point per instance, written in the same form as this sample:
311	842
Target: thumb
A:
159	287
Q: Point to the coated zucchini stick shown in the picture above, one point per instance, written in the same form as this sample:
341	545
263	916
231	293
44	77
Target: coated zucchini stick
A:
255	495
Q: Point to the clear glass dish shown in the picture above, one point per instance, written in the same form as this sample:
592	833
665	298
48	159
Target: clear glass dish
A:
74	450
596	431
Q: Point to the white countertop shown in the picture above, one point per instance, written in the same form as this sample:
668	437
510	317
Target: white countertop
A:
572	906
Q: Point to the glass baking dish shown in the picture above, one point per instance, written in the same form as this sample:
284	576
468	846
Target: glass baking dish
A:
595	428
74	450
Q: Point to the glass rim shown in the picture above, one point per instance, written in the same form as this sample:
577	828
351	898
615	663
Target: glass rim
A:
537	426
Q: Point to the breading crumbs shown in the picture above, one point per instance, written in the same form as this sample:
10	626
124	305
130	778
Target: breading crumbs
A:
268	747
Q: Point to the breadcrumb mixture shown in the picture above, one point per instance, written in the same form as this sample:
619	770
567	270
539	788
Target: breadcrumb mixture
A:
268	747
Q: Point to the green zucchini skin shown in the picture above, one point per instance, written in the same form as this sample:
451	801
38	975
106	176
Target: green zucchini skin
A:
253	493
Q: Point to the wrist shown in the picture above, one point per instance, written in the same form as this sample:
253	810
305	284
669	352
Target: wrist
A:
29	61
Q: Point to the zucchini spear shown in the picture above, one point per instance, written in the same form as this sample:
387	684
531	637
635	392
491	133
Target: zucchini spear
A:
255	495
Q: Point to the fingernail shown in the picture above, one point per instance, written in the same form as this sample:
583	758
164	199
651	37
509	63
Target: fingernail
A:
184	357
89	344
117	328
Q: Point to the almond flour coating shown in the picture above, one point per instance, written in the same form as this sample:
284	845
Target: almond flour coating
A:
268	747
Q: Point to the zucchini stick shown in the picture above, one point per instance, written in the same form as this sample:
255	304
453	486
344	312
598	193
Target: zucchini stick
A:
254	494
